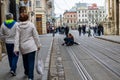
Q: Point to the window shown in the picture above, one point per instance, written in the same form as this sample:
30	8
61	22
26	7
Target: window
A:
74	21
67	21
83	15
38	4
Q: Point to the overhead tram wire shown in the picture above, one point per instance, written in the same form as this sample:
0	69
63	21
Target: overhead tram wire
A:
66	3
59	6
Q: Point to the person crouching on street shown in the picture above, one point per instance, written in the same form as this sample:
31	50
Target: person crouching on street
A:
7	33
27	42
69	40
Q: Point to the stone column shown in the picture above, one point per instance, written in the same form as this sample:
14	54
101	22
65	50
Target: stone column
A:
119	17
0	51
0	13
0	42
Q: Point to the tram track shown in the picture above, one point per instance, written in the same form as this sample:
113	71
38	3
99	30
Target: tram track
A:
111	46
101	49
86	75
80	68
92	50
82	71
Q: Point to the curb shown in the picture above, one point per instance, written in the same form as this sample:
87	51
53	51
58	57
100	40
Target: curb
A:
108	40
56	71
47	63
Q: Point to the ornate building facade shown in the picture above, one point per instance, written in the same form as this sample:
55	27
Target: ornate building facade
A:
112	24
44	12
70	19
90	14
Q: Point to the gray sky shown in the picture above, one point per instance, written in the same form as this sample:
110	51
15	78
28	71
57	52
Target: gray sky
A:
62	5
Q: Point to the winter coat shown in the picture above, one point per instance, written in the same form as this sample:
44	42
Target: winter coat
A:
26	39
7	32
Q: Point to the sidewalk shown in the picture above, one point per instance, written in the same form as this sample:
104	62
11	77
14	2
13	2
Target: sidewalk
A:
46	41
112	38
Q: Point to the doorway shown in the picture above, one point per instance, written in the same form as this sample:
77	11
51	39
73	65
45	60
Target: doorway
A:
39	23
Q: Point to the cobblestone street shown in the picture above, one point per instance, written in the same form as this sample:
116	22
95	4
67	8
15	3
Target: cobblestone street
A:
94	59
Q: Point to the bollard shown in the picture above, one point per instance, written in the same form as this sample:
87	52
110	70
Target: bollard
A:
0	51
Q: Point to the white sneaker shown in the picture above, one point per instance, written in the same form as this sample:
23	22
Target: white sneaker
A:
13	73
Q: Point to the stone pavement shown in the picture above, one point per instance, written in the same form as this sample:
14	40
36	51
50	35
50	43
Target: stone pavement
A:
56	71
46	50
112	38
46	41
57	66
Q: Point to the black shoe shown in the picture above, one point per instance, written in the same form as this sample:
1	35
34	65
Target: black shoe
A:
63	44
13	73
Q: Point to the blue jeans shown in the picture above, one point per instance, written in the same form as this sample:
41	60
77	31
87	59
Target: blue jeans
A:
13	59
28	63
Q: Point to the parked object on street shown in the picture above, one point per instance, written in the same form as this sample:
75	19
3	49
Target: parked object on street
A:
27	42
7	34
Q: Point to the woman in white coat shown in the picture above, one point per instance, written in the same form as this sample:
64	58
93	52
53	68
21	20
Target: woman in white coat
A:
27	42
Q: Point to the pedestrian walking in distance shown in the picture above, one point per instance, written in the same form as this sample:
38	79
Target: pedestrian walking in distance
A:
66	30
7	33
79	30
27	42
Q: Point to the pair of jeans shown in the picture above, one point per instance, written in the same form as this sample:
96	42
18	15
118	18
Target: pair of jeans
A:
28	63
13	59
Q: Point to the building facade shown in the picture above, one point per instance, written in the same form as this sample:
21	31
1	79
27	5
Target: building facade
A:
90	15
44	14
70	19
112	23
82	17
58	22
4	8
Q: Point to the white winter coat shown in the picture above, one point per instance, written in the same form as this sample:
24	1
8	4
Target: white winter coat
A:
8	34
26	38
